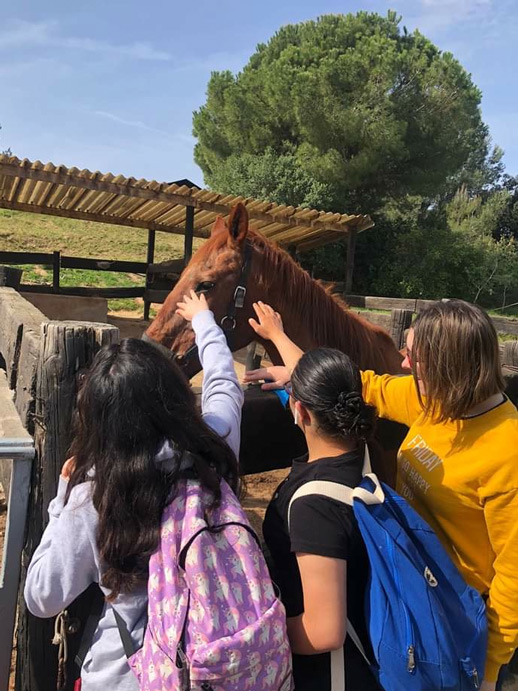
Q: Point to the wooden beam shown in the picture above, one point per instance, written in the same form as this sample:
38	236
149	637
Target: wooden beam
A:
189	230
97	218
103	264
26	258
85	291
150	259
349	268
323	222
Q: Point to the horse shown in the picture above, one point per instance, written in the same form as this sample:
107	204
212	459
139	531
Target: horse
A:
236	267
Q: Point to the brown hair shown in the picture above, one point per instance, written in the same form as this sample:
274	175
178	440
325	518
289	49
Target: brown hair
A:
456	347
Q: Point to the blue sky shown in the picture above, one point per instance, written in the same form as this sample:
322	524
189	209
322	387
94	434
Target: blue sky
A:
111	86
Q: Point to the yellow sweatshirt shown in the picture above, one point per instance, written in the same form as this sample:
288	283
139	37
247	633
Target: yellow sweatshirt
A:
462	477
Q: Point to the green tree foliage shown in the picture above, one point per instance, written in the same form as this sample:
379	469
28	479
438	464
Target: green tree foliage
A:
352	113
363	107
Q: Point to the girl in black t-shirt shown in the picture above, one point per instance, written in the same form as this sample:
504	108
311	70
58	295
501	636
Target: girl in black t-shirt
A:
319	561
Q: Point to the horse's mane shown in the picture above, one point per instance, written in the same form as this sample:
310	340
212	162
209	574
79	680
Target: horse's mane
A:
332	322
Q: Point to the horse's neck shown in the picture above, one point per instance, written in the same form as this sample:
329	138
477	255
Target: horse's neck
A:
312	318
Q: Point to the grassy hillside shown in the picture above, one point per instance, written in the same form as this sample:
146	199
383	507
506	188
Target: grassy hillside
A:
25	232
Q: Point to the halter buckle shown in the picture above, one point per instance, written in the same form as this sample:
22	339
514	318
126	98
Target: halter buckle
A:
228	323
239	296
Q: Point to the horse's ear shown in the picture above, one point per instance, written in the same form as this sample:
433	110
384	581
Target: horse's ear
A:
238	224
219	226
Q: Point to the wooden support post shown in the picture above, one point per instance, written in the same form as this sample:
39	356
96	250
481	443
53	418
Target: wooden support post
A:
189	232
56	267
151	237
510	354
150	259
400	322
10	277
349	269
66	348
254	355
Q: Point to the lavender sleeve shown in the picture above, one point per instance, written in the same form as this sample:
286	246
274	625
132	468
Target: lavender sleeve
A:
222	396
65	562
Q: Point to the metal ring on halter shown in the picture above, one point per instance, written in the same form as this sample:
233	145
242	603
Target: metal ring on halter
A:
226	319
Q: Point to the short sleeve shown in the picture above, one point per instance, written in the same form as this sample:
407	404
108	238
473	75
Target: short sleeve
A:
321	526
394	397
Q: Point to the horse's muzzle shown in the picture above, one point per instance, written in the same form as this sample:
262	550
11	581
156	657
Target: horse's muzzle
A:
181	360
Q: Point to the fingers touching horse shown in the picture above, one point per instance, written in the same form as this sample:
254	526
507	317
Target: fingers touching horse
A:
236	267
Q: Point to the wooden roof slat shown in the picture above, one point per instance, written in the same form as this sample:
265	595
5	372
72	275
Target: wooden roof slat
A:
103	197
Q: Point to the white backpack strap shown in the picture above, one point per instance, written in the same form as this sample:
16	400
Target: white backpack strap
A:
367	468
346	495
338	662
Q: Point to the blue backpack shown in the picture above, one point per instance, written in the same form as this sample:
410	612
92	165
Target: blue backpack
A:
427	628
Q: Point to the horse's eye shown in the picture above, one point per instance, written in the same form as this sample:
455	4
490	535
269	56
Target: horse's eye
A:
204	286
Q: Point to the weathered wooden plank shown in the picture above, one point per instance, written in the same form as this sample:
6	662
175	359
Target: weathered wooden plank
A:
156	296
25	391
16	315
349	264
103	265
505	325
10	277
400	322
383	320
82	291
26	258
97	218
65	348
510	354
163	194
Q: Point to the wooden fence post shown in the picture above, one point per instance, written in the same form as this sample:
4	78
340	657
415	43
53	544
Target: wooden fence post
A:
510	354
400	322
56	268
66	348
349	267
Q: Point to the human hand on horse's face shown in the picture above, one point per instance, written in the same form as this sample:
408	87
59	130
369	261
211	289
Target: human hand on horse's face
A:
275	377
191	305
270	322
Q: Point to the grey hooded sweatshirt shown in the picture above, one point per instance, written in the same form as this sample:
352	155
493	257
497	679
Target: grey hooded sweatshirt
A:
67	559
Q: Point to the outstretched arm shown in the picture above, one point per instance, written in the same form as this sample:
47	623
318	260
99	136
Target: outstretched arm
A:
269	326
222	396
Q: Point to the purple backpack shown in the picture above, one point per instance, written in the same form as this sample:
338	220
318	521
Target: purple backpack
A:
214	620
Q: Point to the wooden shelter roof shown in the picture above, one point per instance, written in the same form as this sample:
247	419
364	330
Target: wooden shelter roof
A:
105	198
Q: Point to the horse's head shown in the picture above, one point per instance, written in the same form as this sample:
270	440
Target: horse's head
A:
221	268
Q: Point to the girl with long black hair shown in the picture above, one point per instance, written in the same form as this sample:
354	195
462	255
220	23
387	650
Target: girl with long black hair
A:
137	432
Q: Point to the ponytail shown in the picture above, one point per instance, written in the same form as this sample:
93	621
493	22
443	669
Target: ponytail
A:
328	383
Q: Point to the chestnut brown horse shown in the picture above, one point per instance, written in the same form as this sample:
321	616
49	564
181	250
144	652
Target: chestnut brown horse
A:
237	267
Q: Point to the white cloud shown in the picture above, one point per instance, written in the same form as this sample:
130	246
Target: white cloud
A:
22	34
129	123
178	137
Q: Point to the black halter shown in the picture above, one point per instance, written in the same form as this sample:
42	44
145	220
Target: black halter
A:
228	322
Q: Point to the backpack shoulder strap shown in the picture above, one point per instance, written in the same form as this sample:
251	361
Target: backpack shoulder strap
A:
345	495
324	488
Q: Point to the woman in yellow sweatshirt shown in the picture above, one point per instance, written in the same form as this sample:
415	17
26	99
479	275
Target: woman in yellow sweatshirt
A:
458	464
